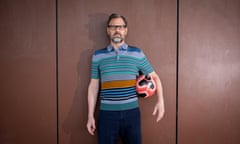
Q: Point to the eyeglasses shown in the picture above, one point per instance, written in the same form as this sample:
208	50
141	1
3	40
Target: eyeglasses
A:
115	27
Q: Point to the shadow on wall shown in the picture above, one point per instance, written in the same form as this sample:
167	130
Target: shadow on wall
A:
75	124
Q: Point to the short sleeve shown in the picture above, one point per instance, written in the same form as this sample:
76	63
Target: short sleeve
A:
94	68
144	65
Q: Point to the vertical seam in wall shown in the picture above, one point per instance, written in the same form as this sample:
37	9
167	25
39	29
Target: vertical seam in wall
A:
57	100
177	69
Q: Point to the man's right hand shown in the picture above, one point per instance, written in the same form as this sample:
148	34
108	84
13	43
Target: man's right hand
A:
91	125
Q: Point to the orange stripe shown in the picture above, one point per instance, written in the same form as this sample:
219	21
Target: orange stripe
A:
118	84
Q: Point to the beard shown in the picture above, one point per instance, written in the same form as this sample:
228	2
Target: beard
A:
117	38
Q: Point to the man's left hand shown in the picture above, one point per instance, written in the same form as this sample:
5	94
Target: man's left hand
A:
158	111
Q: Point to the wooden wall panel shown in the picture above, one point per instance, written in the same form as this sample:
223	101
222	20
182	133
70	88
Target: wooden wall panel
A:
209	68
152	26
28	72
209	74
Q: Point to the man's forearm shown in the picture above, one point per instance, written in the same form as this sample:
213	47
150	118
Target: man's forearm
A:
159	91
159	87
92	97
91	105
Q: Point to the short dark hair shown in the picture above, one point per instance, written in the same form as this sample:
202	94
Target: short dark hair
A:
115	15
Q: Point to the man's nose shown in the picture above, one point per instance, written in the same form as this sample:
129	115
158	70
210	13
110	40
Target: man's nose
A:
117	29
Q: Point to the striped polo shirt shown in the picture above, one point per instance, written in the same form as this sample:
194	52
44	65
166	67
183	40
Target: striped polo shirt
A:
117	71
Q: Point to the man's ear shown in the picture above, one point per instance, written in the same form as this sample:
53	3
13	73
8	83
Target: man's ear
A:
108	31
126	30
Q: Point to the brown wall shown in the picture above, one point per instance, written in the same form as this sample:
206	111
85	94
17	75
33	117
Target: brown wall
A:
28	72
43	98
82	30
209	74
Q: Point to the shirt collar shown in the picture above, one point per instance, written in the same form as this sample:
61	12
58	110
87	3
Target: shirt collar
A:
122	47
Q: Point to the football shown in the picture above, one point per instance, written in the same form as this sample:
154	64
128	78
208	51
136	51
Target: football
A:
145	86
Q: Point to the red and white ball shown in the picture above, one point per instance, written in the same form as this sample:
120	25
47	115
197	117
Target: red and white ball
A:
145	86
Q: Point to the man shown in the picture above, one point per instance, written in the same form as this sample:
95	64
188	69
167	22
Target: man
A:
115	68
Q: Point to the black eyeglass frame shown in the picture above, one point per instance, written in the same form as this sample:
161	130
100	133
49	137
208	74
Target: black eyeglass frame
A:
114	27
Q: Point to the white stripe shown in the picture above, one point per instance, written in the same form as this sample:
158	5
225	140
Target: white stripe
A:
119	102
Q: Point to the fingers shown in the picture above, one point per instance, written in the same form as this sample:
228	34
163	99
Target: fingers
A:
159	112
154	111
159	117
91	127
92	130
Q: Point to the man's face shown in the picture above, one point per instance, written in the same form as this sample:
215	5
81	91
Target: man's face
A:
117	30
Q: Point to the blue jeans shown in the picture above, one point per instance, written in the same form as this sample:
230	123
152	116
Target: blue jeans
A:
126	124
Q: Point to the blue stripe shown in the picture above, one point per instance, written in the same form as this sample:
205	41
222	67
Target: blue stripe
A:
123	64
107	78
117	95
119	89
123	101
118	98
